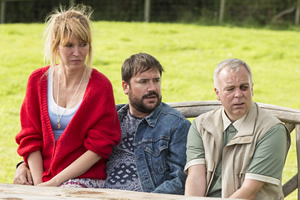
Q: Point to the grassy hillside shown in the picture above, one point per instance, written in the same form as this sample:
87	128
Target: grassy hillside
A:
189	54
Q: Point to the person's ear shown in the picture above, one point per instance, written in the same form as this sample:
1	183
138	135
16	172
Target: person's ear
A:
125	87
217	94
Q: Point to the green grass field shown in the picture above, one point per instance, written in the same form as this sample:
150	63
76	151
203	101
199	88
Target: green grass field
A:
189	54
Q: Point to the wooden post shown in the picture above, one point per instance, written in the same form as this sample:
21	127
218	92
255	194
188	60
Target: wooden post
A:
297	132
2	12
297	14
72	2
222	8
147	10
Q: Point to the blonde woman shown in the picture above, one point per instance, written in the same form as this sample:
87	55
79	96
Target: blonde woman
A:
69	121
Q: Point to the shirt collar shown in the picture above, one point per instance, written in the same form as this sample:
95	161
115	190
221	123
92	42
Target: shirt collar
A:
154	115
151	119
226	121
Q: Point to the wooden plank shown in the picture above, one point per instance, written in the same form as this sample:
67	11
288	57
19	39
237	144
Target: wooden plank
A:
290	185
298	154
10	191
290	127
2	12
147	10
71	3
195	108
222	11
282	13
297	13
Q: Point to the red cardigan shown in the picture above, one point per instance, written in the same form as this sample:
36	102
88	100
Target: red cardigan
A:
95	126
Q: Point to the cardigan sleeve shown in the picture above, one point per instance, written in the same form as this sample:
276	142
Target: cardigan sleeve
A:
106	131
29	138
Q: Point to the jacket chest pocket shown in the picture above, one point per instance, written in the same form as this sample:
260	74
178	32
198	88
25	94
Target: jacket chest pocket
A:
156	154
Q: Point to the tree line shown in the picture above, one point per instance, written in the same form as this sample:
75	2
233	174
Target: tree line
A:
260	12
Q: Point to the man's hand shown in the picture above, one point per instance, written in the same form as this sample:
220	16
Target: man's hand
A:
23	175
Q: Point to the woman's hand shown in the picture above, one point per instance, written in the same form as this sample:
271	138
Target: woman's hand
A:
51	183
75	169
23	175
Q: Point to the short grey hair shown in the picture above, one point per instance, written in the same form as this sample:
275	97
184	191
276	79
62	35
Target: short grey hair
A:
233	64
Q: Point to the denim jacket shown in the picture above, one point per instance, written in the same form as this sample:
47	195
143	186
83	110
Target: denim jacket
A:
160	149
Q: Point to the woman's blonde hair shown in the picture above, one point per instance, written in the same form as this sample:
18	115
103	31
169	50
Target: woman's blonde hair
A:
62	25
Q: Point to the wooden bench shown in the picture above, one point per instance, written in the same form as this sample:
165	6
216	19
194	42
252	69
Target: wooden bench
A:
24	192
290	117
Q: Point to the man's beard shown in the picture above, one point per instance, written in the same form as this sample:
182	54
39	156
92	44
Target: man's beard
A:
139	105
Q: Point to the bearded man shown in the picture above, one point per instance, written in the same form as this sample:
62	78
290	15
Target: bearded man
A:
151	155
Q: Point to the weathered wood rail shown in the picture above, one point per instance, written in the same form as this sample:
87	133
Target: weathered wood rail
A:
290	117
24	192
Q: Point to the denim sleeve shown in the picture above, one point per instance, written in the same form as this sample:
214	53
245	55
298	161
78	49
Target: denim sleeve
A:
175	180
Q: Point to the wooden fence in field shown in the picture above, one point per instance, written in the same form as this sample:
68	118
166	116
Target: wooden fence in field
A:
290	117
3	6
221	11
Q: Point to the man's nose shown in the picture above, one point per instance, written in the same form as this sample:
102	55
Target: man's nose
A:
151	86
238	93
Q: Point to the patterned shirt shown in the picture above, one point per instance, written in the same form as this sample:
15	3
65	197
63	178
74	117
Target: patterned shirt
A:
121	167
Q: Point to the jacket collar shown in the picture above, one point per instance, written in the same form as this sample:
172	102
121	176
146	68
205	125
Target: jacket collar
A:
250	121
151	119
214	124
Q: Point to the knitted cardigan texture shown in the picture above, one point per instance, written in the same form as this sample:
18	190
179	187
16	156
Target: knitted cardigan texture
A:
95	126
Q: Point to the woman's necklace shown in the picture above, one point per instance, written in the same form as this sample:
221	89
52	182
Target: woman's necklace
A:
59	117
